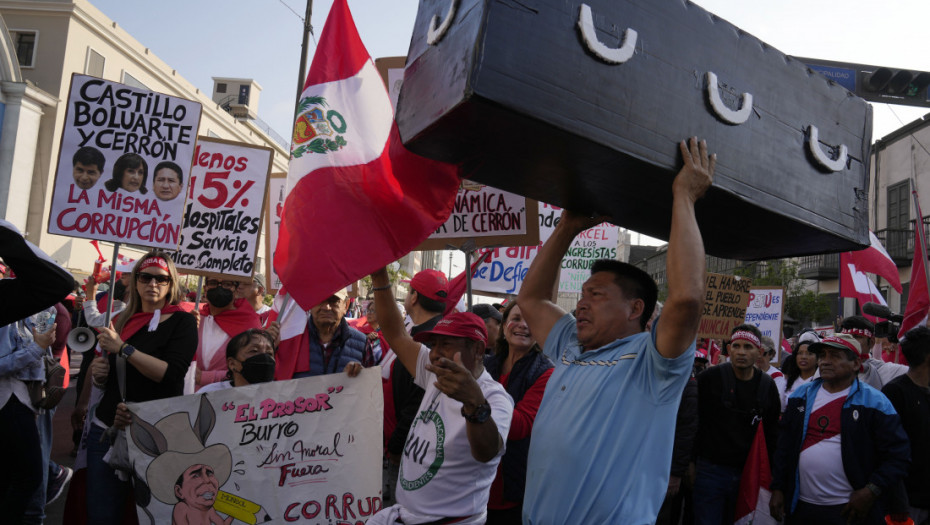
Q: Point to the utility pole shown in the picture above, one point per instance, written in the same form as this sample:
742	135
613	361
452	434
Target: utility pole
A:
308	30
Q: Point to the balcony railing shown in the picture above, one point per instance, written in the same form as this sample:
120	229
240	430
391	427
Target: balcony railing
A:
819	267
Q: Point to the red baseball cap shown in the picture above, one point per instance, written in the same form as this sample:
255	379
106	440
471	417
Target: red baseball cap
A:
458	324
431	284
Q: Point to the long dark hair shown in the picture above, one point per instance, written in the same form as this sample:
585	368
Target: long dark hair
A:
126	161
502	347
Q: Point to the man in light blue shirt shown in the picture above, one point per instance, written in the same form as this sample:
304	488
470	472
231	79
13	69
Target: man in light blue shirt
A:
602	440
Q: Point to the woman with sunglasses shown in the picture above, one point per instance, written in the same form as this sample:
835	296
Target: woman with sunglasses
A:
157	339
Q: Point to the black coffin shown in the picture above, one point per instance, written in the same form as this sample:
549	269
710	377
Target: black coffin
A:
512	90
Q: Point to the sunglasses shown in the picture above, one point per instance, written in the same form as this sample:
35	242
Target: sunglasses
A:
146	278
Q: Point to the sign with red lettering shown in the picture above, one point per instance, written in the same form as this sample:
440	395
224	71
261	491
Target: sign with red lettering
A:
277	191
766	306
223	219
504	272
725	301
123	164
306	450
488	216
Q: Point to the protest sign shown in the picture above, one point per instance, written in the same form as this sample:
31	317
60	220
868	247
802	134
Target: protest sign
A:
277	191
223	219
305	450
122	164
725	300
488	216
765	310
504	272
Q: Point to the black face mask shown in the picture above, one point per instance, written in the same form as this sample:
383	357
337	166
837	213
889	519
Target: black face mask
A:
219	296
119	291
258	369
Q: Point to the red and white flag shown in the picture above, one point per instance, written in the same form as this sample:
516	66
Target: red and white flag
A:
876	260
356	198
856	284
918	298
459	284
752	504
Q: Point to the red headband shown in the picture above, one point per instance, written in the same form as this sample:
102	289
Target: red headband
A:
746	336
861	332
833	340
157	262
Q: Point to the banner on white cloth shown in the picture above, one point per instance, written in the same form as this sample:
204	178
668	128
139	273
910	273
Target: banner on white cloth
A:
765	310
223	220
306	450
123	164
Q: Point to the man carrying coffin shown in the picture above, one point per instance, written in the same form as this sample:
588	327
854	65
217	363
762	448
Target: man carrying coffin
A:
457	439
602	440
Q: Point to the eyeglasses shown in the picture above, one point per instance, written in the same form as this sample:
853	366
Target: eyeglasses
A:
146	278
213	283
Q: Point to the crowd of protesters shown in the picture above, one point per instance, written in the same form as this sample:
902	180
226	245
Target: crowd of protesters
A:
610	414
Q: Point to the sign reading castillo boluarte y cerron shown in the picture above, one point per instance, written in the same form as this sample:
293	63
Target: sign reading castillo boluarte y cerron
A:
123	164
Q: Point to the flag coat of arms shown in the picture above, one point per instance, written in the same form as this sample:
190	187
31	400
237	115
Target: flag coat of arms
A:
356	198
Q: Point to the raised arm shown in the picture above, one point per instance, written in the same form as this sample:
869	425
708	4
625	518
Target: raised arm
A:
535	298
685	259
392	325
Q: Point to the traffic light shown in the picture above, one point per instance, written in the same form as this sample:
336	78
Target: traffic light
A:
887	84
876	83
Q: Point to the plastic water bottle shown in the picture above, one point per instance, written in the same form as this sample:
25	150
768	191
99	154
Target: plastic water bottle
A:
44	320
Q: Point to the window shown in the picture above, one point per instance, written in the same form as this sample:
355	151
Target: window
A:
130	80
95	62
221	87
899	206
25	42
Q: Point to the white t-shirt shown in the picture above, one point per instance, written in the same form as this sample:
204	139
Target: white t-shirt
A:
438	475
780	383
823	480
213	387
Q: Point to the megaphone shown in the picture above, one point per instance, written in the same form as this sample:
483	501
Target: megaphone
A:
81	339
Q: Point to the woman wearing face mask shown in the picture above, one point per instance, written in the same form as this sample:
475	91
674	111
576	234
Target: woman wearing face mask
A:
220	319
250	360
519	365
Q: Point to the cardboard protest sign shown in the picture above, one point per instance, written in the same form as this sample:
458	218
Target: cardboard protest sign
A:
123	164
277	192
488	216
765	310
505	271
223	219
304	450
725	300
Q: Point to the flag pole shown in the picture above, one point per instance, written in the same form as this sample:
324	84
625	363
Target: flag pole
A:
308	30
199	293
919	225
111	292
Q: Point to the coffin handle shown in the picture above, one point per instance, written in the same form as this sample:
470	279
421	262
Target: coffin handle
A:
589	36
438	30
813	141
726	114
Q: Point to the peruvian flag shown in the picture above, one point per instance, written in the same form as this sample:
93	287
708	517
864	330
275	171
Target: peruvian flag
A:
918	299
876	260
856	284
752	504
459	284
356	198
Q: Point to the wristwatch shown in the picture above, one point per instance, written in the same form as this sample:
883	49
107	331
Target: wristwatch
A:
876	490
481	414
127	350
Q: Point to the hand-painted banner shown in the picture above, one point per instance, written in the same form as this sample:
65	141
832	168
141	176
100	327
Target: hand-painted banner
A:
223	219
765	310
488	216
123	164
726	297
277	191
306	450
505	271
